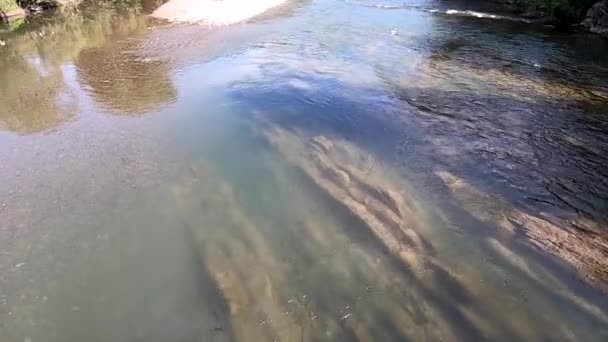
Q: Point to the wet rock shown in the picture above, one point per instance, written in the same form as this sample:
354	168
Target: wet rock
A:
342	171
322	143
582	248
331	171
596	20
391	199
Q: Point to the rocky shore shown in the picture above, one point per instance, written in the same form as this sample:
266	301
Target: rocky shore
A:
596	20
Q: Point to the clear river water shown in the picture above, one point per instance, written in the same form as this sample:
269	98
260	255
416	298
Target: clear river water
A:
333	170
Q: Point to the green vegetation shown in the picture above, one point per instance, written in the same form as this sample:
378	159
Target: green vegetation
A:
8	5
15	25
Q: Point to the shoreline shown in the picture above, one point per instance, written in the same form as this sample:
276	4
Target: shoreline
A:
213	12
228	12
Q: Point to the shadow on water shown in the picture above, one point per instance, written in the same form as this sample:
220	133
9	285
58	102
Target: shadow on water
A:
458	135
443	293
325	280
211	299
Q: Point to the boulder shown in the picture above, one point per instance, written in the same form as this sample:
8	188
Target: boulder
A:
596	20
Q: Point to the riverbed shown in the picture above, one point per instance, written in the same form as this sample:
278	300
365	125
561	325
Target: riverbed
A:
328	171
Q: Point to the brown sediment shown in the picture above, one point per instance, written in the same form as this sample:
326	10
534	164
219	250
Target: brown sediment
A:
520	86
365	195
375	197
315	280
540	275
256	280
243	266
377	200
577	243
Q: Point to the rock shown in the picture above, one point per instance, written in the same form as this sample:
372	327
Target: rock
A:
596	20
391	199
341	177
322	143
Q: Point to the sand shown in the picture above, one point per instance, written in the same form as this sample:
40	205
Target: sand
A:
213	12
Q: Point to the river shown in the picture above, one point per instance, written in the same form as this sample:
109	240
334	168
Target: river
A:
345	170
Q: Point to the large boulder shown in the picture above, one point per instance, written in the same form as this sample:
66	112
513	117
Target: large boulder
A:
596	20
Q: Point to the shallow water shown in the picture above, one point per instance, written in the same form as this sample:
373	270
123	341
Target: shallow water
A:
330	170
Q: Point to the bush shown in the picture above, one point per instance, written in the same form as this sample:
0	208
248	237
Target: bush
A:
8	5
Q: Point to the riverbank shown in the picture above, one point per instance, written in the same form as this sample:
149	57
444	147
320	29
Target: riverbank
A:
586	15
213	12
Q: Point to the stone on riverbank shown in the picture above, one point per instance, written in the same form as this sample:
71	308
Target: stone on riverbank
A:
596	20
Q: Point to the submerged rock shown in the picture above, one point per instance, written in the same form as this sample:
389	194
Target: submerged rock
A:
596	20
582	245
339	169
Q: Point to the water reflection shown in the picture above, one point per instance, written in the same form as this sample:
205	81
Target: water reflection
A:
123	82
33	65
36	98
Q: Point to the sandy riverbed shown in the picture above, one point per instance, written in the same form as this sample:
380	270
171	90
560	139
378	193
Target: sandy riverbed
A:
213	12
